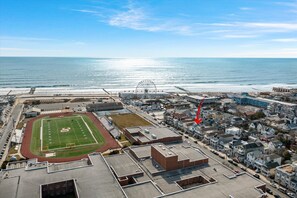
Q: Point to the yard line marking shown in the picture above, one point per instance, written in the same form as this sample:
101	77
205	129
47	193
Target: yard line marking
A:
58	133
41	134
89	129
74	132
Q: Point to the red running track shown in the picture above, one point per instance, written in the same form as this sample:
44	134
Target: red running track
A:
110	143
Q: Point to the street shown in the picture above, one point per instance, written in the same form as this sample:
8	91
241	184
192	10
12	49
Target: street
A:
9	128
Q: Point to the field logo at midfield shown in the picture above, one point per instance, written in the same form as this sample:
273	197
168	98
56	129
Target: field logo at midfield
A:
197	119
63	130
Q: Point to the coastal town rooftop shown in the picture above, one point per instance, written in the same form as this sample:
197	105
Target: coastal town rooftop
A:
90	180
151	134
288	168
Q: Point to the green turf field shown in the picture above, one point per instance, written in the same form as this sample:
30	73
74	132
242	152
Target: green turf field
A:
66	136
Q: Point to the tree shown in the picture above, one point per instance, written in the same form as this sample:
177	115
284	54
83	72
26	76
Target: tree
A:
286	155
257	115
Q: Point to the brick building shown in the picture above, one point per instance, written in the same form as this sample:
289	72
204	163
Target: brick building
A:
172	158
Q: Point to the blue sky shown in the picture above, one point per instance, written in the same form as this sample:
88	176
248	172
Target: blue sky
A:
148	28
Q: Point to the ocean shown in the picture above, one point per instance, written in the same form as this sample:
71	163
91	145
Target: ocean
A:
194	74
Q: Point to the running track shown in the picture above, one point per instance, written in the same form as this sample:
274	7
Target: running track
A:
110	143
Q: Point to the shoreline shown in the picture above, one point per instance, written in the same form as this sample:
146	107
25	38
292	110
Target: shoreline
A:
162	88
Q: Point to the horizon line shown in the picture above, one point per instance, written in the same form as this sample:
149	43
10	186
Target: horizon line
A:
235	57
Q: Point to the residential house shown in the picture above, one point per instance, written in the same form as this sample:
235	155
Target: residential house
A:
274	146
246	148
286	176
235	131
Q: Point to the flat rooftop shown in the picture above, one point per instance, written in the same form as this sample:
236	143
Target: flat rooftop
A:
93	181
187	152
201	97
143	190
222	181
276	101
288	168
164	150
123	165
242	186
150	133
8	187
141	151
68	165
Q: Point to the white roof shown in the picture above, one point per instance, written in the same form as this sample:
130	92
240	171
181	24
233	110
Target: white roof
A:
201	97
276	101
34	109
17	137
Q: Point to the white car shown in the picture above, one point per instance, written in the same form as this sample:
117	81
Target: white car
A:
290	194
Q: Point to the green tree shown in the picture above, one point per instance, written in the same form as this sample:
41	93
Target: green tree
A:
286	155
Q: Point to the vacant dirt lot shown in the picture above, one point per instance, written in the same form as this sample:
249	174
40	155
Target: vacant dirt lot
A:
128	120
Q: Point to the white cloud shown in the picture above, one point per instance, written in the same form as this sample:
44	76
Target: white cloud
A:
13	49
85	11
289	3
137	19
275	26
283	26
289	49
239	36
245	8
285	40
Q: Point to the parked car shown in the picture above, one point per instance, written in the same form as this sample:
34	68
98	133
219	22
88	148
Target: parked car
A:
243	168
269	191
273	185
283	190
290	194
257	176
277	196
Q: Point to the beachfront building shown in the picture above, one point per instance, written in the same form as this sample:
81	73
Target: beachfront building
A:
104	106
197	99
284	89
247	100
262	102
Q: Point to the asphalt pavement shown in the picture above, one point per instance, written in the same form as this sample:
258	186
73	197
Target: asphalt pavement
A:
9	128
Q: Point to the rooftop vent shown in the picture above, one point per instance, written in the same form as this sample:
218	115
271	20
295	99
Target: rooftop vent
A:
146	131
154	136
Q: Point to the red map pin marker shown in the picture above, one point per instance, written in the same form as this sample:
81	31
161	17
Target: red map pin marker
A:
197	119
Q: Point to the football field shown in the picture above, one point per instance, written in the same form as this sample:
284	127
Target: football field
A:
68	136
65	132
65	136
